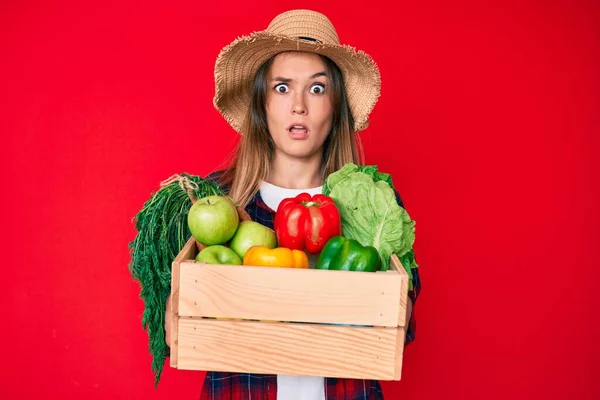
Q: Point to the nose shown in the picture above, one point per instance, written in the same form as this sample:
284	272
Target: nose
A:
299	106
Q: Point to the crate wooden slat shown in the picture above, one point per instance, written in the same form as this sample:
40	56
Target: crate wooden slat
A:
282	294
289	348
255	304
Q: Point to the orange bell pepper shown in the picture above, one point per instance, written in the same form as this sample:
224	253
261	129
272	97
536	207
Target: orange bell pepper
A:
263	256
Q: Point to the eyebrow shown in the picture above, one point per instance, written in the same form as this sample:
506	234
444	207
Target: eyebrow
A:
286	80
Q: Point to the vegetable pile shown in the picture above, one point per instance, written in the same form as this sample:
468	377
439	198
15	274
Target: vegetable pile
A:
355	225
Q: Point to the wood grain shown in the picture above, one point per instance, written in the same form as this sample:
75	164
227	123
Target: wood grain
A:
289	294
188	252
288	348
403	290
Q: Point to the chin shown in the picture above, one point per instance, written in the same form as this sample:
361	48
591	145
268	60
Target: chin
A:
298	151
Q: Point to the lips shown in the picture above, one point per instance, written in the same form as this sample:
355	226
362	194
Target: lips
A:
298	129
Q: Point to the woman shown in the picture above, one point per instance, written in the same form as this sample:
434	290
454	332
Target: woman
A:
297	97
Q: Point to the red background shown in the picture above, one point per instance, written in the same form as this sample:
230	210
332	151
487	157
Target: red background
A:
488	122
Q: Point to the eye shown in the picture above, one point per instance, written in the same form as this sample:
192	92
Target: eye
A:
281	88
317	88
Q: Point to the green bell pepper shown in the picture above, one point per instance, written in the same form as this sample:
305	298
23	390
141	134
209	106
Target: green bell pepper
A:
345	254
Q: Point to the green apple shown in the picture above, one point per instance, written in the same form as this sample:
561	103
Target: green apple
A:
213	220
252	233
218	254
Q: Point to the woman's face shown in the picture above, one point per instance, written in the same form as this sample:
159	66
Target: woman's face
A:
299	104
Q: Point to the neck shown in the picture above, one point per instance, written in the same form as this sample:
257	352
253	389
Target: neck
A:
294	173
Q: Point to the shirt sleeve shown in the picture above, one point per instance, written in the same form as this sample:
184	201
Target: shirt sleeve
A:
413	293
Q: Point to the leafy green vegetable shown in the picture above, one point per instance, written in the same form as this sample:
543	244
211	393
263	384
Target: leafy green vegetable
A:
408	262
370	213
162	232
349	169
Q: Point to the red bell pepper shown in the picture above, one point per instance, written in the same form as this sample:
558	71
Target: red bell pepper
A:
307	223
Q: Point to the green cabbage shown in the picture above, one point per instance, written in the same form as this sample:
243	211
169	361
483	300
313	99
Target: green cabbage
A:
370	213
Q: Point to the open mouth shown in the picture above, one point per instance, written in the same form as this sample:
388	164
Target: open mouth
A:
299	129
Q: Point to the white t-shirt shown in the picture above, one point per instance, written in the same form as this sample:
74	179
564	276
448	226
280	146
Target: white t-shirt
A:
293	387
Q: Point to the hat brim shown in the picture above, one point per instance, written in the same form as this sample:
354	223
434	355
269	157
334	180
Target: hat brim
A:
238	62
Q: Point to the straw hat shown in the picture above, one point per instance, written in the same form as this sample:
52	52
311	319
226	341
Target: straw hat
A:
295	30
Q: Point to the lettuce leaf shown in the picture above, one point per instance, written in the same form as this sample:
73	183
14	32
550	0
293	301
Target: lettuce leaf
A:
349	169
370	212
409	262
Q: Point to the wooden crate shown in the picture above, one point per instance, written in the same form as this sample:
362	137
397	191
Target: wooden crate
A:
287	321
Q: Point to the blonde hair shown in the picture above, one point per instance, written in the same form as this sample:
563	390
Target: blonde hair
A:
254	152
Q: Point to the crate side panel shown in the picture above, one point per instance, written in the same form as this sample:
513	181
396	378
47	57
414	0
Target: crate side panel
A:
288	348
287	294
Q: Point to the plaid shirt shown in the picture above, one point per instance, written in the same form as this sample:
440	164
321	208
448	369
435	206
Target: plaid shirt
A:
238	386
